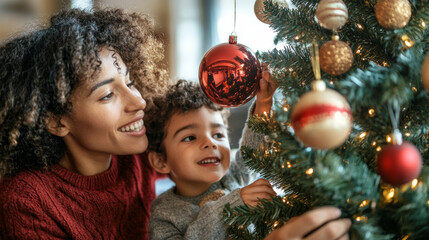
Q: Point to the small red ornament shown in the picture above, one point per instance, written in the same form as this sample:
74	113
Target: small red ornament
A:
229	74
399	163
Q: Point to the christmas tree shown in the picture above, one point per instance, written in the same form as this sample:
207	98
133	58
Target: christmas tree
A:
354	134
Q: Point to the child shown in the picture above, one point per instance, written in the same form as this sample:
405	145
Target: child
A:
191	145
70	99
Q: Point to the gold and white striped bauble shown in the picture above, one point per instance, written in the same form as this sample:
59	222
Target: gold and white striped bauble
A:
393	14
332	14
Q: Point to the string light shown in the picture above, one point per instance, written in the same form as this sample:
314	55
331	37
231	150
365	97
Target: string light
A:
374	143
358	25
371	112
414	183
288	165
388	138
407	41
364	203
359	49
361	218
309	171
362	135
389	194
378	149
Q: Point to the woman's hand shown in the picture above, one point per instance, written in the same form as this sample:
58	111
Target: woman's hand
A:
319	224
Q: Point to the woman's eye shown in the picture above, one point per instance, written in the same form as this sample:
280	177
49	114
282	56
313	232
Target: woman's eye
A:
107	97
188	139
219	135
130	84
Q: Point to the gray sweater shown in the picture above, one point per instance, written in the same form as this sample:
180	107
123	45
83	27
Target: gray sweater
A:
179	217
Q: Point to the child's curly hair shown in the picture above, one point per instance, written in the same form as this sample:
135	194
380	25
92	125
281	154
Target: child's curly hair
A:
39	72
181	97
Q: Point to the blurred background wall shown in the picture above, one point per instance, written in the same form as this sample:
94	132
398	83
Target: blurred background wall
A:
189	28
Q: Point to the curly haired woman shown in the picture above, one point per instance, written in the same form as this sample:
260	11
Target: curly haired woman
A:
70	103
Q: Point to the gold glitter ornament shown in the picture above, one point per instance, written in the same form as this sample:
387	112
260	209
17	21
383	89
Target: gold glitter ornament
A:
332	14
336	57
259	9
425	73
393	14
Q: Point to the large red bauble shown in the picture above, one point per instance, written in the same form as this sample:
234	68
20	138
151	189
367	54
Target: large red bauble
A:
399	164
229	74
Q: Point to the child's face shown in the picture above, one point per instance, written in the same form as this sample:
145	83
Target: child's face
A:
197	149
107	115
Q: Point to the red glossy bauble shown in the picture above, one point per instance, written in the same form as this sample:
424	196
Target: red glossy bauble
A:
399	164
229	74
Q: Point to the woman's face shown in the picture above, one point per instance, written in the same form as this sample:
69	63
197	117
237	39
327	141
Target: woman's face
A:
107	114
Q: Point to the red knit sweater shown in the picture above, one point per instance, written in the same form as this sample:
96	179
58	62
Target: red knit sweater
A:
60	204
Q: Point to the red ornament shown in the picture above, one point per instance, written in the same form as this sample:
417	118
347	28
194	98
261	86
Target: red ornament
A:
229	74
399	164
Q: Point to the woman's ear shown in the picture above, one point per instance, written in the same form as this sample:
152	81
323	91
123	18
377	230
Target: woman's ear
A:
157	161
54	125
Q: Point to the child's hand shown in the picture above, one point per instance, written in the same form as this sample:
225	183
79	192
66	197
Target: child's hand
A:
267	87
259	189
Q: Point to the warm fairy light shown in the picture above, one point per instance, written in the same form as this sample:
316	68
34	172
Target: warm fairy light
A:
331	82
359	26
288	165
388	138
290	69
359	49
414	183
297	37
378	149
407	41
361	218
391	193
385	64
284	200
405	238
276	223
285	108
309	171
427	202
371	112
373	143
283	166
364	203
407	134
362	135
423	24
414	89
